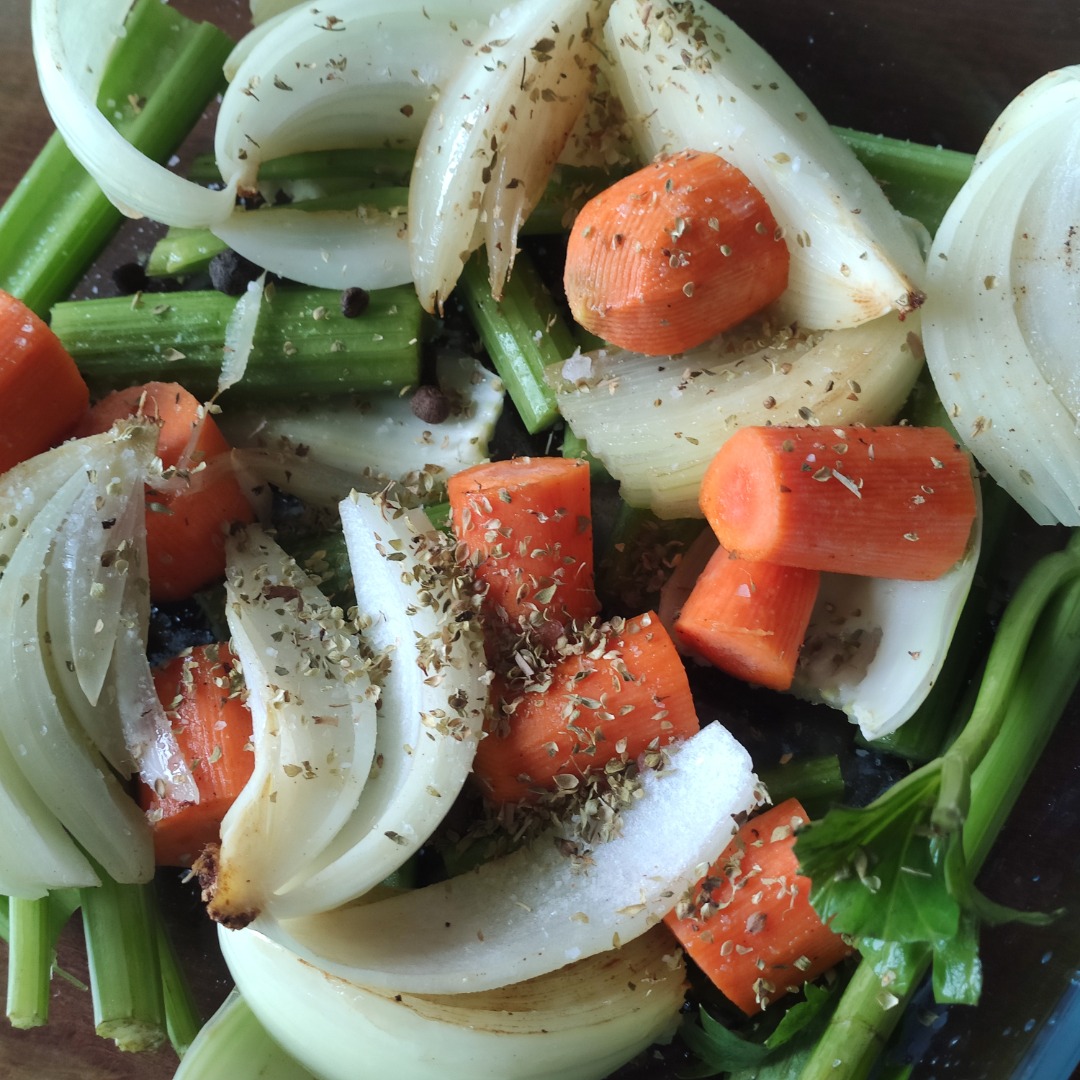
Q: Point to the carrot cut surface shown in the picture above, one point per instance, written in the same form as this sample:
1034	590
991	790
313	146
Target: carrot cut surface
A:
213	731
888	502
42	394
749	618
526	528
749	925
617	700
186	528
673	255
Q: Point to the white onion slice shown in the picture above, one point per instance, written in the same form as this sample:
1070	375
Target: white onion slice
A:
536	909
328	249
690	78
41	734
419	623
579	1023
72	41
656	423
240	334
875	647
1002	318
362	73
374	442
313	719
488	149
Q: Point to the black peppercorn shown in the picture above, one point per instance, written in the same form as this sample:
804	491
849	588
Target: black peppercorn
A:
230	272
129	278
354	302
430	404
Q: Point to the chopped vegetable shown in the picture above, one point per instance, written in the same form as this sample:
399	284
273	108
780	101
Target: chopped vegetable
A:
625	694
888	502
673	255
155	83
186	524
42	394
199	690
302	347
749	924
749	618
526	528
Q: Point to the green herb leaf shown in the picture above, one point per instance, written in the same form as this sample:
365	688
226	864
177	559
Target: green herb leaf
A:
719	1049
800	1015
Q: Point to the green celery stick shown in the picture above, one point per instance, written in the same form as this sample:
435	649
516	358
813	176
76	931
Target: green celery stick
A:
182	1019
523	333
304	347
816	782
120	923
30	962
160	77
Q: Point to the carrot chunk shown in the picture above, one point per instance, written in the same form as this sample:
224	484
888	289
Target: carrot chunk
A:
525	526
185	529
619	699
749	618
750	926
889	502
213	731
673	255
42	394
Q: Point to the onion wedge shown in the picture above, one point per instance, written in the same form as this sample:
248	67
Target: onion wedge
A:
428	648
487	151
656	423
313	719
1002	320
537	909
691	79
578	1023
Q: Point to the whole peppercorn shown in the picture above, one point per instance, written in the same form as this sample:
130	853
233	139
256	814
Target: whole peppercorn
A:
230	272
129	278
354	302
430	404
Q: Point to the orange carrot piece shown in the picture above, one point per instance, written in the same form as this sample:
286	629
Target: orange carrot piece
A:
525	526
749	618
750	926
185	530
609	702
213	730
889	502
673	255
42	394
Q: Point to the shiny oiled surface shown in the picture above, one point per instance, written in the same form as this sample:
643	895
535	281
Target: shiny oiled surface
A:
935	71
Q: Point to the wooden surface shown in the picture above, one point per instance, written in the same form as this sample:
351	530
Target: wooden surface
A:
936	71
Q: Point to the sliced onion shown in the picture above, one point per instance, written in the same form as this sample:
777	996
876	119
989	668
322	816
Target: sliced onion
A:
41	733
690	78
1002	319
363	73
240	334
328	249
420	625
72	42
656	423
875	647
319	453
313	719
537	909
489	147
579	1023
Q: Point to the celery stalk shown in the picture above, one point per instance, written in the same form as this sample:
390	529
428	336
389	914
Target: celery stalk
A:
120	923
304	347
1034	702
30	962
182	1018
163	72
523	333
816	782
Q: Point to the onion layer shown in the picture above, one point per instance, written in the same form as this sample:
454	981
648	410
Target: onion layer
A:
579	1023
691	79
1002	319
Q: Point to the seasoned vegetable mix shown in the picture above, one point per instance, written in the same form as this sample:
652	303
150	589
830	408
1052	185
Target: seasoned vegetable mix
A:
436	766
